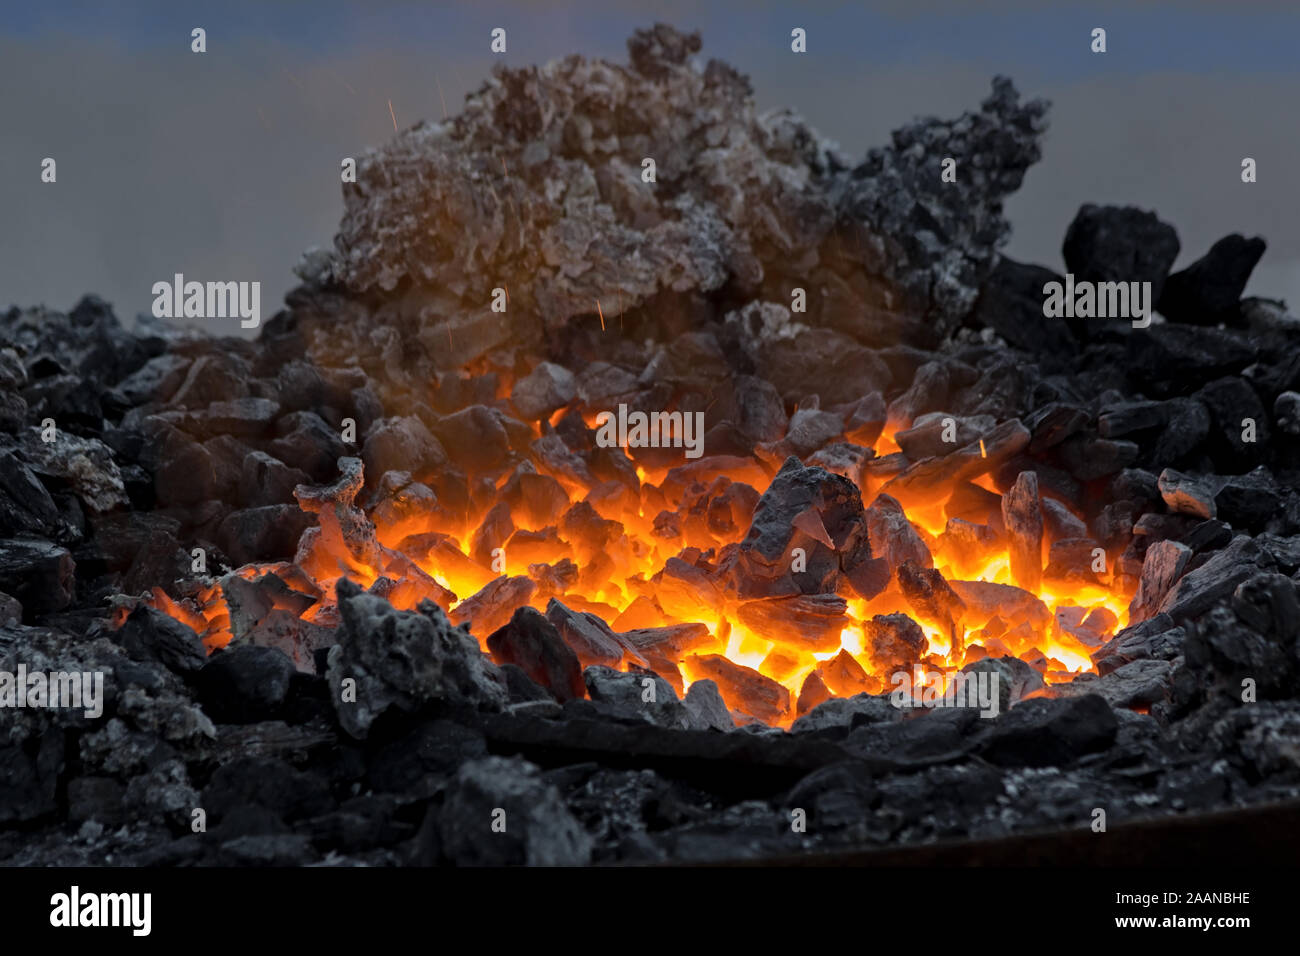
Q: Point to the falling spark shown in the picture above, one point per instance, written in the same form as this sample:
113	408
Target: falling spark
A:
983	453
441	97
393	115
262	117
292	77
602	315
343	81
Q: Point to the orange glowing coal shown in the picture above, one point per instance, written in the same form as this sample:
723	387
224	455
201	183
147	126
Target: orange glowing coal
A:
605	550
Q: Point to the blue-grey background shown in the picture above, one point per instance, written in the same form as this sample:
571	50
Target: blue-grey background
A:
226	165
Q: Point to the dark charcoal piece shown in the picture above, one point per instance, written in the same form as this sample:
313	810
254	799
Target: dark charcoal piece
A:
834	796
538	831
29	779
628	695
269	533
245	418
1060	523
1136	684
1054	423
246	684
11	610
267	783
424	758
1154	639
545	389
401	444
1226	652
1162	360
1209	290
533	644
521	688
1268	603
1114	244
932	736
864	419
1048	733
1249	501
927	393
809	430
1091	458
266	480
1187	427
25	505
477	438
1208	536
1016	678
705	708
1124	418
1199	590
802	507
836	717
1011	303
150	635
844	459
41	575
1236	413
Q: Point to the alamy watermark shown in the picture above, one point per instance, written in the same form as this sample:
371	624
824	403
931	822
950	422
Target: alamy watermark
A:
1098	300
74	909
57	689
179	299
922	688
651	430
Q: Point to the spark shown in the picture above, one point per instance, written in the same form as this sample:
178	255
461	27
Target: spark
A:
262	117
983	453
393	115
343	81
292	77
601	314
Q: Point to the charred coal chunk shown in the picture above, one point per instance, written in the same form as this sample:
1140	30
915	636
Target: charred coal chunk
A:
532	643
1209	290
403	659
806	508
1120	244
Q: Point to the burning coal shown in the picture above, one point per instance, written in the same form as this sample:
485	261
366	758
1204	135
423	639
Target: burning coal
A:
785	590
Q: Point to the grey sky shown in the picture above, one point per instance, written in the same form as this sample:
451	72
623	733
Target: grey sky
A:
225	165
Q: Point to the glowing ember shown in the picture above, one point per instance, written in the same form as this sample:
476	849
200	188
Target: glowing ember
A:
610	551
